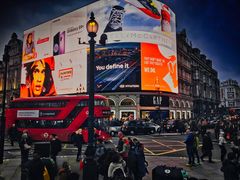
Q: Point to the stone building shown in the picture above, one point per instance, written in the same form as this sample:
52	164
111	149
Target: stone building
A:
14	69
230	94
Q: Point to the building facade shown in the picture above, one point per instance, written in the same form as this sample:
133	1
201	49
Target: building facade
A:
199	91
230	94
14	70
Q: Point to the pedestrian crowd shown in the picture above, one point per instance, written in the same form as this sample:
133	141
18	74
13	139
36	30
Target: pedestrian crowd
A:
124	161
225	133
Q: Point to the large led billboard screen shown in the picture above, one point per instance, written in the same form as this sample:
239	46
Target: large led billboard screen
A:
140	54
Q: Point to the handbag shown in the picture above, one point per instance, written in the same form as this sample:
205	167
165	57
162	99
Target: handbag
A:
46	174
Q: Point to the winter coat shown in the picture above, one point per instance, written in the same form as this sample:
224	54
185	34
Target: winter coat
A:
140	157
78	140
115	166
207	144
189	140
56	146
231	170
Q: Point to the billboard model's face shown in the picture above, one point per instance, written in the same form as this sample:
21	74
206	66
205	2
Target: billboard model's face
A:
140	52
38	77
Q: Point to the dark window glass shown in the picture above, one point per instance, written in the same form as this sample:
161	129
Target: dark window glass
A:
39	104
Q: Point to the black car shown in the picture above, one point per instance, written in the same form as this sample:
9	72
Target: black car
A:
137	127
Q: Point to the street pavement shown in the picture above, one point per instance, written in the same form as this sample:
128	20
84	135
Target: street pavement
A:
166	150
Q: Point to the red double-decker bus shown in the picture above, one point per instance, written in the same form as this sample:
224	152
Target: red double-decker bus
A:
60	115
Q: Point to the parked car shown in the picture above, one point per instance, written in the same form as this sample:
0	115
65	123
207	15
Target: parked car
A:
156	126
137	127
114	127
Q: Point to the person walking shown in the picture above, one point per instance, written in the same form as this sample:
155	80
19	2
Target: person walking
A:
13	134
25	146
221	143
230	167
78	141
207	147
195	148
189	146
55	147
140	160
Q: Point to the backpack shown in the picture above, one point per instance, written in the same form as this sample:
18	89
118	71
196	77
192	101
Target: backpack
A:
118	174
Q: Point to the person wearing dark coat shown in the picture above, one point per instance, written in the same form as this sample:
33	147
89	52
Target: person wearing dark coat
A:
78	141
207	147
36	167
141	162
132	158
25	146
231	168
56	147
13	134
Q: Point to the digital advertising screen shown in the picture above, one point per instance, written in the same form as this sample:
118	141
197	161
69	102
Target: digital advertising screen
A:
140	52
117	67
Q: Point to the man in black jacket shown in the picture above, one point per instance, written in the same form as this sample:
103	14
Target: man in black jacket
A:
55	147
78	141
207	147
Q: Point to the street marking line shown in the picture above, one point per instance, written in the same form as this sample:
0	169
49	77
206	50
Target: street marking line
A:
149	151
163	144
172	151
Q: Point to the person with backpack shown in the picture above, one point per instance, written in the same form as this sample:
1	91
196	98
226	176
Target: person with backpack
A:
100	149
116	168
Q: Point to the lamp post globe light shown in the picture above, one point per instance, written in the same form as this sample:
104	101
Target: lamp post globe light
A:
90	166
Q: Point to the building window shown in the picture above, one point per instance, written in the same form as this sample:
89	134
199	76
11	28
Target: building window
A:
111	102
127	102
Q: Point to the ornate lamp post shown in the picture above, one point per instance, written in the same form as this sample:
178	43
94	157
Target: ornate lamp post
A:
92	28
89	170
2	123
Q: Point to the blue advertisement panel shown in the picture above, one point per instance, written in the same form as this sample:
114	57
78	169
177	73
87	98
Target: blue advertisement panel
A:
117	67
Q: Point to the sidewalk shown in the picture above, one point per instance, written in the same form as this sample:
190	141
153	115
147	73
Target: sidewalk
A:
10	169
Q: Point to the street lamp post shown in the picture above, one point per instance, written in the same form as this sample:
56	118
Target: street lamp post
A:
2	130
89	170
92	28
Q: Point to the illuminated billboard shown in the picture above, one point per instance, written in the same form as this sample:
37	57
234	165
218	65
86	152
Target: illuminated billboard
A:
140	54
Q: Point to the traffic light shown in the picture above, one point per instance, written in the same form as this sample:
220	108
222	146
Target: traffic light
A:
103	39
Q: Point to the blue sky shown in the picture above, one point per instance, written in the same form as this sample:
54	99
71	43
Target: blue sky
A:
212	25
